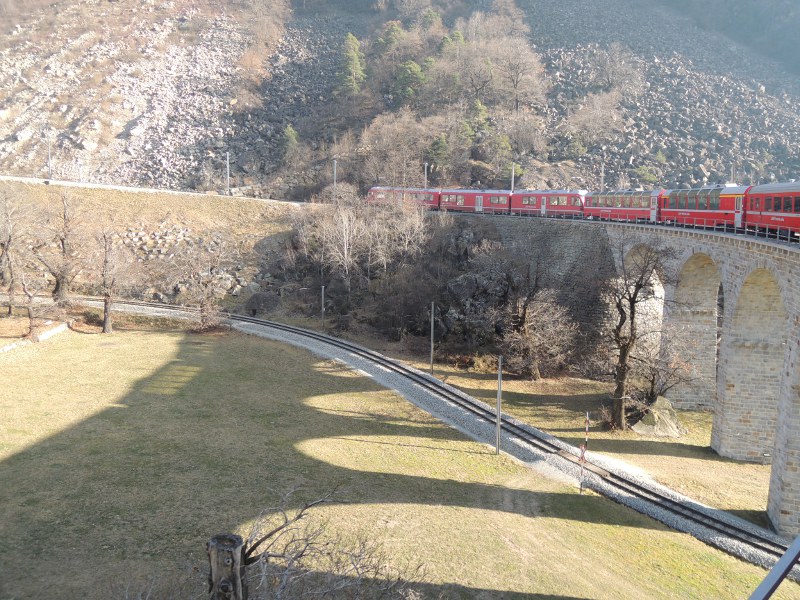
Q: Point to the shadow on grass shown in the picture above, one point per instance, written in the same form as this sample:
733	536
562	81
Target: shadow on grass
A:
196	448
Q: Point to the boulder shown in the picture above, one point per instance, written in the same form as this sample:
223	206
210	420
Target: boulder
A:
661	420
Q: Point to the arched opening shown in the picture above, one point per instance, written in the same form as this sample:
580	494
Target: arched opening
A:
750	371
691	332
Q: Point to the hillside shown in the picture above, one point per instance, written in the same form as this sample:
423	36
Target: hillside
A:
158	94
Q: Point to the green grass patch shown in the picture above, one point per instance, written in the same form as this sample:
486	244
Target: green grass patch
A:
123	455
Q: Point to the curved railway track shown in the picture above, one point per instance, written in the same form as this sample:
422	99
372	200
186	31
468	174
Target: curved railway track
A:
714	527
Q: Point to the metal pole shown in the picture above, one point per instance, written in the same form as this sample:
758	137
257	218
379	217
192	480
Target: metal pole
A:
778	573
499	402
228	174
426	176
513	173
334	179
432	309
323	308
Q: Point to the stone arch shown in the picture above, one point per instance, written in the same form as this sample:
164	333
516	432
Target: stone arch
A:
693	317
750	374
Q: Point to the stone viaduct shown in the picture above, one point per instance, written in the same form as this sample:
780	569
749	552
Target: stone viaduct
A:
748	355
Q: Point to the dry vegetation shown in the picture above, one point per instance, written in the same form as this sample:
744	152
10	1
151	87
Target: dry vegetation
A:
135	468
242	218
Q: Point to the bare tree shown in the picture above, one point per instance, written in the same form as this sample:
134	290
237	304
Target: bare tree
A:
598	118
17	233
111	267
200	274
520	69
537	335
642	271
32	283
341	232
620	70
663	362
59	252
393	146
291	554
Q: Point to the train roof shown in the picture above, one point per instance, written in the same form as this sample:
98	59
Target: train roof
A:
398	188
471	191
584	192
728	188
776	188
623	192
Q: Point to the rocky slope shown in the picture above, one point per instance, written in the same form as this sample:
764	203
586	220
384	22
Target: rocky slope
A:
157	99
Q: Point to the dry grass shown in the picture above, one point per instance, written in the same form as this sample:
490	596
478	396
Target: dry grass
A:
686	464
120	456
242	218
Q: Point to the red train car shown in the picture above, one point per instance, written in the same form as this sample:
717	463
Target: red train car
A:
479	201
774	209
717	207
393	195
637	206
548	203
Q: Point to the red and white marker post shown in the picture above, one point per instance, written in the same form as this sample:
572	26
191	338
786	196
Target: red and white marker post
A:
584	447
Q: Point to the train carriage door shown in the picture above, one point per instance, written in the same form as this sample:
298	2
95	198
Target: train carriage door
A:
737	213
654	207
543	206
478	203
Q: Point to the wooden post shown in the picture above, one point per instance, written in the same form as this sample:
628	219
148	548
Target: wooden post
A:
226	578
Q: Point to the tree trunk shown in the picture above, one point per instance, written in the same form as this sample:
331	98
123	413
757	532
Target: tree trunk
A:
226	579
107	301
620	391
61	290
31	325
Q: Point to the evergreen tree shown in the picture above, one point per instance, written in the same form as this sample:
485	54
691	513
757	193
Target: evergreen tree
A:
352	73
290	142
437	156
409	79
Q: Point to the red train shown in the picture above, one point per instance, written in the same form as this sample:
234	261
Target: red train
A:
772	209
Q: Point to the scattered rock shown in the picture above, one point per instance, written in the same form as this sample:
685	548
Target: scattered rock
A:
661	420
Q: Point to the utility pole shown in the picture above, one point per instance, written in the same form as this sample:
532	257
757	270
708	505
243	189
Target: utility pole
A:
426	176
334	180
513	173
323	308
432	309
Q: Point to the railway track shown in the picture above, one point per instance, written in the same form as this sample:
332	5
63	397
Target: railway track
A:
714	527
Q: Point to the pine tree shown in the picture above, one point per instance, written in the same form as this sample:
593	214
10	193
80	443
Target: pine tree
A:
352	73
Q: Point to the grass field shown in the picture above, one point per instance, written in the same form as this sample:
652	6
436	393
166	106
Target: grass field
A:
121	455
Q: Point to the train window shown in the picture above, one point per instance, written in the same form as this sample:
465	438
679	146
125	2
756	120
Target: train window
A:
714	200
768	203
757	203
672	202
526	200
797	204
460	200
692	200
